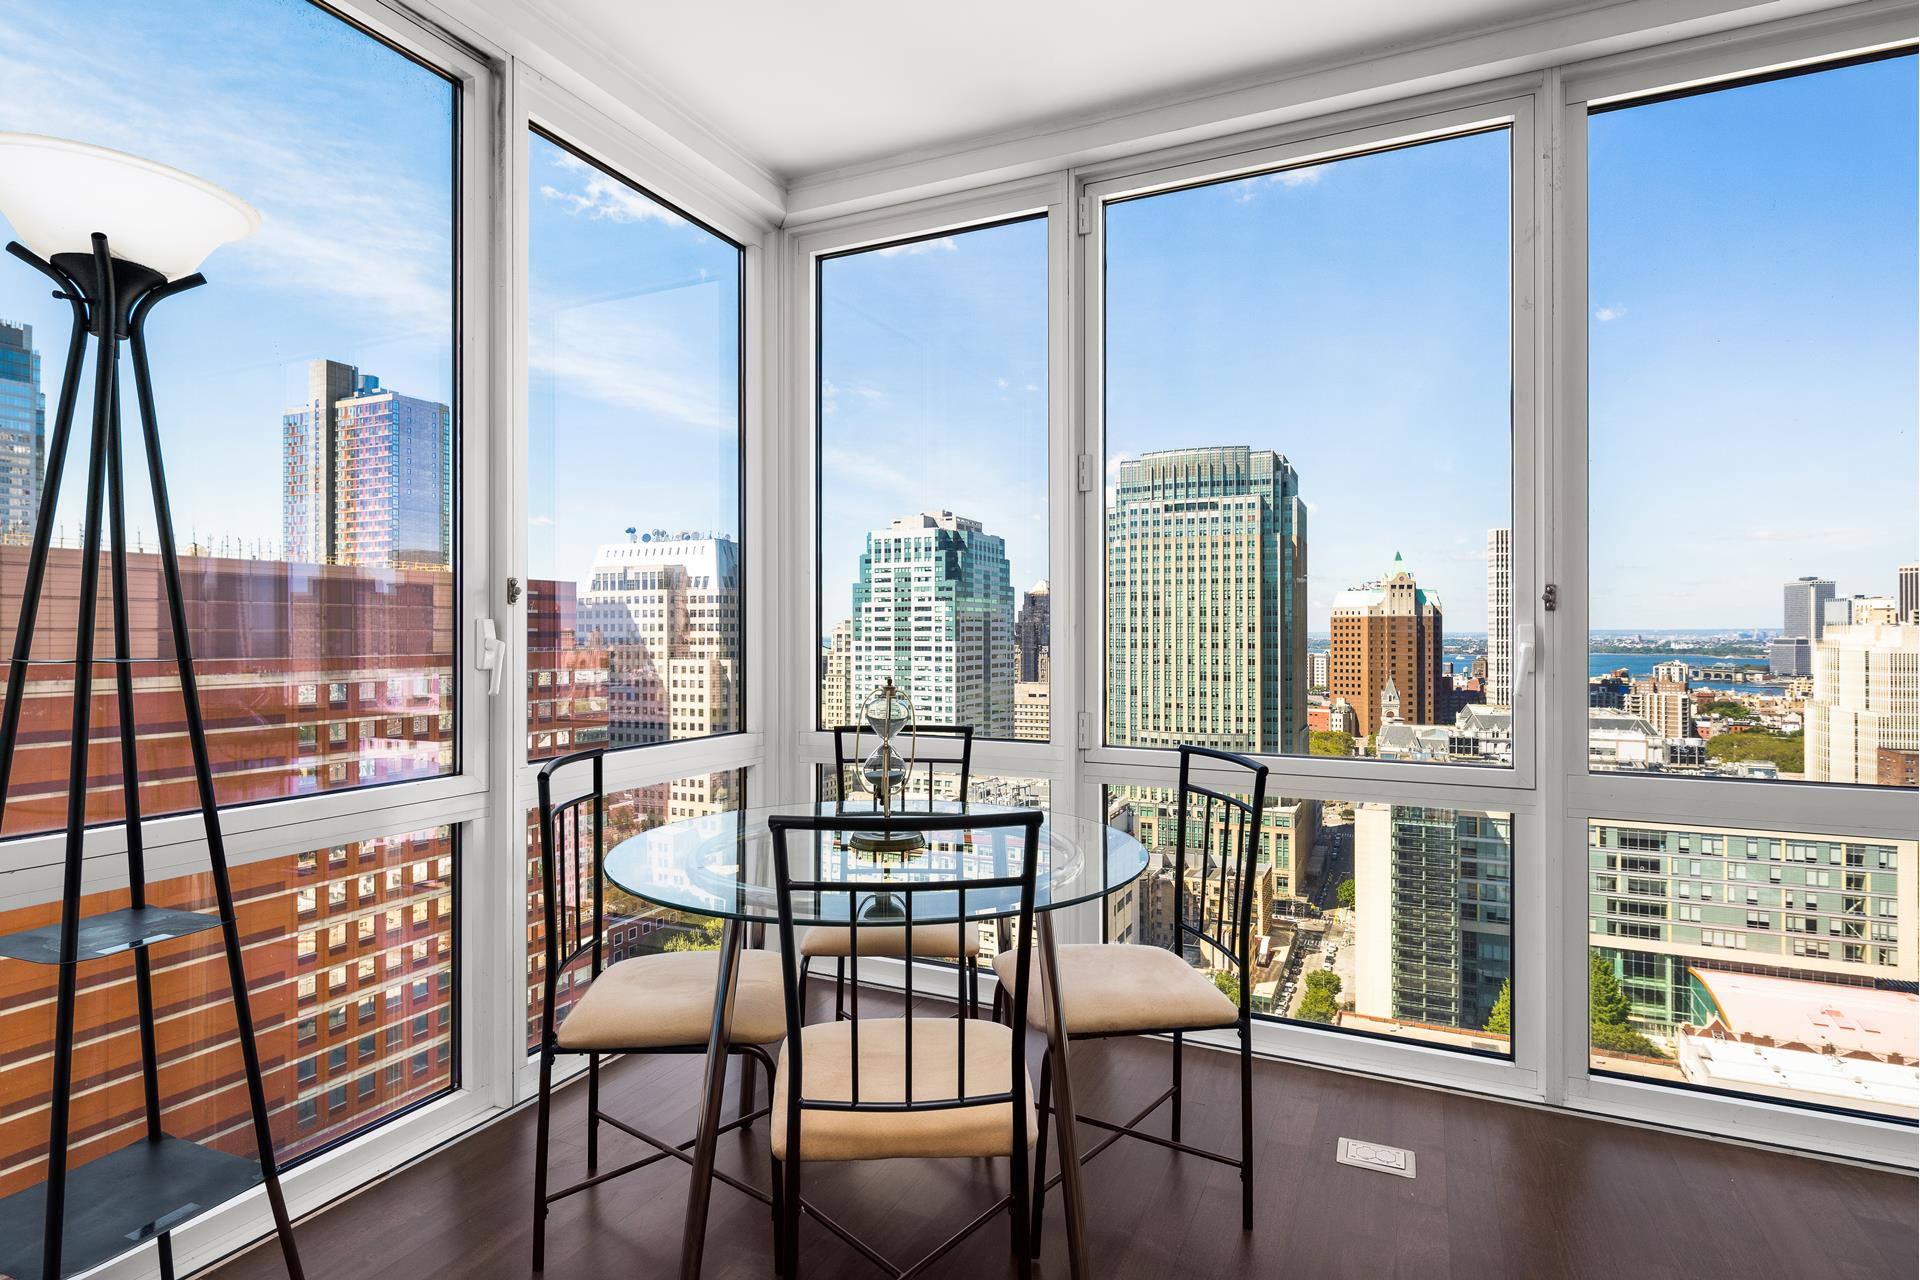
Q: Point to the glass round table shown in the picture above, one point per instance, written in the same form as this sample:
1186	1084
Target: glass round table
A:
723	865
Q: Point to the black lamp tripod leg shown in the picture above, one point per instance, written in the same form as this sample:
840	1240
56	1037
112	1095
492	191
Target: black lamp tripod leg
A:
203	775
104	383
130	761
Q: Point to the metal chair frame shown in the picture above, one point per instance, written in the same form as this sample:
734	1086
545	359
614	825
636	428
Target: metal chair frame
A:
1230	937
567	939
842	761
787	1174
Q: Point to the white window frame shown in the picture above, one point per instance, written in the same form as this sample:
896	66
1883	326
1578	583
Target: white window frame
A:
1509	105
541	103
1830	809
798	467
255	831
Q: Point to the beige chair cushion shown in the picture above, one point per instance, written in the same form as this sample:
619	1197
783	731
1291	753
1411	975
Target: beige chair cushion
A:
934	941
984	1130
666	1000
1115	989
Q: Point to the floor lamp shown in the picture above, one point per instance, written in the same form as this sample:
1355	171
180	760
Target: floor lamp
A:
117	235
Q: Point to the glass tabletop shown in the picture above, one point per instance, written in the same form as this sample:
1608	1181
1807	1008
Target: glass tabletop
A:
722	865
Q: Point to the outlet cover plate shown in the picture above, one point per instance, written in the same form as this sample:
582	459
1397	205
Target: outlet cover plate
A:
1376	1156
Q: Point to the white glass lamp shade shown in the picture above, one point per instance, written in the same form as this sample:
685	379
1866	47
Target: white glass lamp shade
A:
57	193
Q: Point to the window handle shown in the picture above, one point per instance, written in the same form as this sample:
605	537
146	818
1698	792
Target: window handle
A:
489	653
1522	651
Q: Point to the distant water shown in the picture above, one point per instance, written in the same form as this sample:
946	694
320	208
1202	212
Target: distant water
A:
1642	664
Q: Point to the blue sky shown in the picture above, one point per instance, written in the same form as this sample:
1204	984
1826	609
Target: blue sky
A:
344	146
1352	316
633	367
1753	346
1753	324
933	395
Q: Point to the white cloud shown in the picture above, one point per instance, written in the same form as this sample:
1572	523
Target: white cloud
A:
1306	176
1604	314
636	366
941	244
1033	386
603	197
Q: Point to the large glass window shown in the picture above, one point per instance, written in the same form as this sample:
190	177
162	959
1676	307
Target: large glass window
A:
635	599
1309	496
932	402
1386	919
1755	605
350	963
306	396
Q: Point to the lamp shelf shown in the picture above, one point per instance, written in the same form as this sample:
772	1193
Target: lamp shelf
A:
107	934
122	1200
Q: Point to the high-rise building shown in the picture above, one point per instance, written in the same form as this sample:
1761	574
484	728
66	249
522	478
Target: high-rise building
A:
1032	711
1386	650
1667	898
1433	935
1910	593
1499	686
1790	656
1207	601
1664	704
1032	631
1803	611
23	432
666	608
933	612
1866	698
367	474
836	677
1320	667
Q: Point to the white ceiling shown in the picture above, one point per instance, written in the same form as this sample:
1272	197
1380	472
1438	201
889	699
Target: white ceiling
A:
801	87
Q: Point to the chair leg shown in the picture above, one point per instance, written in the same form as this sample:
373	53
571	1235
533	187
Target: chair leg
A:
792	1180
779	1216
1178	1045
1246	1127
999	1002
746	1091
540	1161
593	1112
1018	1221
1044	1109
973	986
839	988
802	993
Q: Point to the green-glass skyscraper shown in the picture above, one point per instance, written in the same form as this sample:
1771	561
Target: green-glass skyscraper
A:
23	431
1207	601
933	611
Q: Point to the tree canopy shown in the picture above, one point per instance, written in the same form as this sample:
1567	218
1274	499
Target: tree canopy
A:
1331	742
1347	893
1500	1021
1786	750
1321	1003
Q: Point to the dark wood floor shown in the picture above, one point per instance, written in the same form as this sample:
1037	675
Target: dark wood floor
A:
1501	1191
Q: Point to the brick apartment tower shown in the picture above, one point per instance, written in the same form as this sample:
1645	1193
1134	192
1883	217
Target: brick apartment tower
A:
1386	649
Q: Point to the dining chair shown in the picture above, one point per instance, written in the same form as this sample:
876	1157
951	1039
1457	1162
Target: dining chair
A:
659	1003
881	1088
946	750
1125	990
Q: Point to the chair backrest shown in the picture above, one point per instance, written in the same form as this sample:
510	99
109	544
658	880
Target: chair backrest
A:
572	842
1026	822
1227	854
939	748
